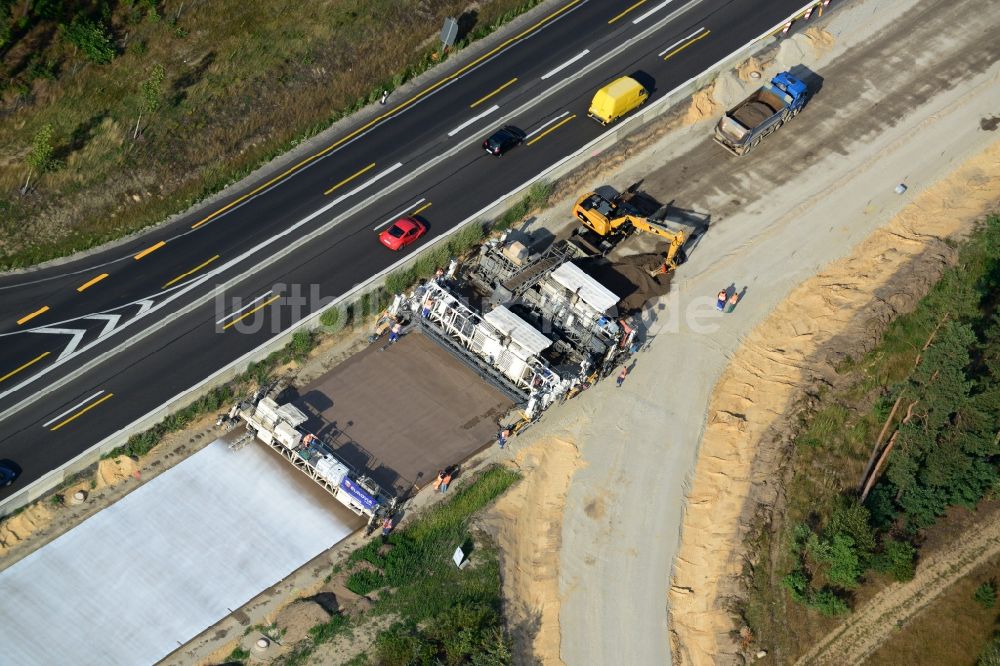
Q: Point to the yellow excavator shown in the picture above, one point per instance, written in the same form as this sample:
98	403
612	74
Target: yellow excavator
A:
613	217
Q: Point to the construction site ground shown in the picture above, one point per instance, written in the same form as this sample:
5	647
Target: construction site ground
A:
402	412
592	537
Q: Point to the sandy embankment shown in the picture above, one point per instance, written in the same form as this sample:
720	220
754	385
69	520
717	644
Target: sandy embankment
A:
528	524
851	301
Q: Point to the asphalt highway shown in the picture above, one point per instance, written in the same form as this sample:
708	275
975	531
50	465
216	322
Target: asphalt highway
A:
209	287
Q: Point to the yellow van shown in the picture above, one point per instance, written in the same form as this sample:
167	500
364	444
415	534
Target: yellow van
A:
616	99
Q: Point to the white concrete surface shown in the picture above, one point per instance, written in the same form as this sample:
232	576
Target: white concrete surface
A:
143	576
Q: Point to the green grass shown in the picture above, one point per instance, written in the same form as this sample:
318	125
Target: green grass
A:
241	86
444	614
238	655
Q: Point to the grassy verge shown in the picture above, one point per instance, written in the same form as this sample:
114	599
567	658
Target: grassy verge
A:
443	614
122	113
941	364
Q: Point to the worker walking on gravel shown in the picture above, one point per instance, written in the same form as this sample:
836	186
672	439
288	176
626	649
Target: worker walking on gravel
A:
733	300
720	301
621	376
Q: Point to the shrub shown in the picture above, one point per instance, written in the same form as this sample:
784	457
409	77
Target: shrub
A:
331	317
897	558
301	344
797	583
986	595
828	603
91	38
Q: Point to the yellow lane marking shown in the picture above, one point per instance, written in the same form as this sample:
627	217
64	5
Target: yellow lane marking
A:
191	272
552	129
31	362
29	317
486	97
250	312
148	250
377	119
421	209
681	48
81	412
626	11
350	178
91	283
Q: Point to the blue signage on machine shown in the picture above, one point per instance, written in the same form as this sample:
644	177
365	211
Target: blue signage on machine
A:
358	493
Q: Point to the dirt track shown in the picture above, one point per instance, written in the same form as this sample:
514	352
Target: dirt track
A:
865	630
772	228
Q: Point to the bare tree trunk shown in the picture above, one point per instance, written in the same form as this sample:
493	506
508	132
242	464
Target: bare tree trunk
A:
24	190
135	134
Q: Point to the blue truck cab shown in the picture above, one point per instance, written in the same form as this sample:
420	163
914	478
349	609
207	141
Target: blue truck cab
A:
765	110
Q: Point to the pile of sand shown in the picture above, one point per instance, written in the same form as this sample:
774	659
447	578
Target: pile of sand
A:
842	310
528	524
18	527
112	471
703	106
296	619
820	40
748	67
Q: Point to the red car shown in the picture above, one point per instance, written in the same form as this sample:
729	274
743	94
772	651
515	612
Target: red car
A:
402	232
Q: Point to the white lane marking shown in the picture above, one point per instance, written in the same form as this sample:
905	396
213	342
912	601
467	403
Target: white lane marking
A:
565	64
256	300
400	213
77	334
472	120
651	11
345	195
110	319
681	41
72	409
545	124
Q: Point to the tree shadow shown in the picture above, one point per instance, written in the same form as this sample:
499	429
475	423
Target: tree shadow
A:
466	23
80	136
179	88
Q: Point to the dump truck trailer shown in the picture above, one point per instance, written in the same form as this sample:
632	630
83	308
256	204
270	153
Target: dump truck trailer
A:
764	111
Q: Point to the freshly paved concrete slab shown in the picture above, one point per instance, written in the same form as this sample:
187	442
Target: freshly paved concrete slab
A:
405	412
148	573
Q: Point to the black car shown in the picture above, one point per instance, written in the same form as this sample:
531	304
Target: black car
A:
8	472
503	140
